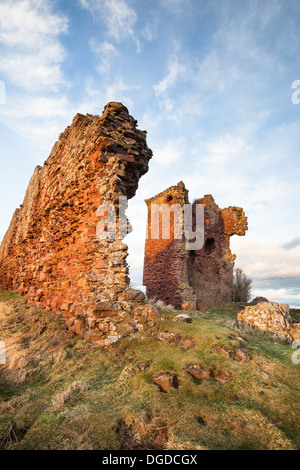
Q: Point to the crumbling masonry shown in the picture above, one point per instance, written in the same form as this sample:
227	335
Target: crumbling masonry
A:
190	279
51	253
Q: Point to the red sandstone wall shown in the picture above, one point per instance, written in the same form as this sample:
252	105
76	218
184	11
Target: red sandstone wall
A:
165	264
211	268
184	277
50	251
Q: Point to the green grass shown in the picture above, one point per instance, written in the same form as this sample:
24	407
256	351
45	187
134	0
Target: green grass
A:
58	392
7	295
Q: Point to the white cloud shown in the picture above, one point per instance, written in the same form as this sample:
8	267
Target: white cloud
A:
35	72
264	259
175	71
32	54
117	15
175	6
29	23
38	119
115	91
170	152
97	97
149	32
215	74
278	295
225	148
31	64
106	52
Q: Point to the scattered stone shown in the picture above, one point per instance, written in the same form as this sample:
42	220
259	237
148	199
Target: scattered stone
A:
184	317
241	339
241	356
165	380
224	351
167	336
143	366
187	342
92	336
203	374
237	353
160	439
112	339
147	313
199	372
223	377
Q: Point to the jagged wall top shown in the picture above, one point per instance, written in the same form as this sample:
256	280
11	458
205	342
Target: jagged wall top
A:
51	252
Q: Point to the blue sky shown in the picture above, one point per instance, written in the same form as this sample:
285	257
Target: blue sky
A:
211	82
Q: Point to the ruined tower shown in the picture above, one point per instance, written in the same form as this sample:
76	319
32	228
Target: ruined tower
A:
188	278
165	265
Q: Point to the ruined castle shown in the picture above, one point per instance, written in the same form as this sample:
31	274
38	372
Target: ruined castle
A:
197	278
51	252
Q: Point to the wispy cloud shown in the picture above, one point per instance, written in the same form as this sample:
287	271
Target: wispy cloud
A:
106	53
115	90
174	72
29	23
225	148
292	244
149	31
117	15
270	260
175	6
31	52
170	152
278	295
32	59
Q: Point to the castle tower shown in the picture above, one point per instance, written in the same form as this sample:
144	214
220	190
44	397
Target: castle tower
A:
188	278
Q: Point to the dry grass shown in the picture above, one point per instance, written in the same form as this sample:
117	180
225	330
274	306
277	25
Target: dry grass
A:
58	392
73	391
159	304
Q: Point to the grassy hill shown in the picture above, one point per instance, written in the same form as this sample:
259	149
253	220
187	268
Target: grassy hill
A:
59	392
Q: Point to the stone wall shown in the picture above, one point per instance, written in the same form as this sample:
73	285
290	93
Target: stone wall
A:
51	252
189	278
166	260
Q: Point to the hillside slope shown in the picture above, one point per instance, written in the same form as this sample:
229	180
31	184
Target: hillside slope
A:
59	392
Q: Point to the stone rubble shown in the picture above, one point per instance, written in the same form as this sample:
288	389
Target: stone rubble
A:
269	317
